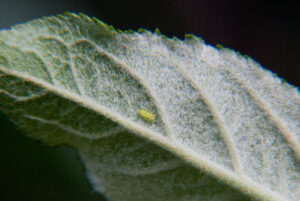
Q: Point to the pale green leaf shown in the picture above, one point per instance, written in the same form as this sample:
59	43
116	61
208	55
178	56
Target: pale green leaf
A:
153	118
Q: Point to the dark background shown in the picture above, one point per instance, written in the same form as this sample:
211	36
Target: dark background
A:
266	31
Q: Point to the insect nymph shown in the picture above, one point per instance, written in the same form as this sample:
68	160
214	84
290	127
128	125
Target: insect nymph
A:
147	115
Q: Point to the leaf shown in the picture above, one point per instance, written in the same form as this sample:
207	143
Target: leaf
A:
223	128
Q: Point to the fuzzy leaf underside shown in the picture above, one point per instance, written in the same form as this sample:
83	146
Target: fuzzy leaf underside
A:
222	127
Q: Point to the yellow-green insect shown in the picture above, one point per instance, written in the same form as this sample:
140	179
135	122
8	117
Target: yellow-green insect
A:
147	115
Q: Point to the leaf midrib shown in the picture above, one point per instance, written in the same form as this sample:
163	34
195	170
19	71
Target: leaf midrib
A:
243	183
236	179
284	130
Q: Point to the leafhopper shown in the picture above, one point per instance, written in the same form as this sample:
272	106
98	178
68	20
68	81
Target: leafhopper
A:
147	115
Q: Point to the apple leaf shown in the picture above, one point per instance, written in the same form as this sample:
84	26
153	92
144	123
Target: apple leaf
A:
153	118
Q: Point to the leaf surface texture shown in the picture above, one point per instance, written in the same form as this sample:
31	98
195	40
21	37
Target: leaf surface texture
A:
223	128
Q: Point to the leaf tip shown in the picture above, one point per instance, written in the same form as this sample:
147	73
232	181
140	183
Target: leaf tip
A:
85	17
141	30
157	31
68	13
219	46
190	37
